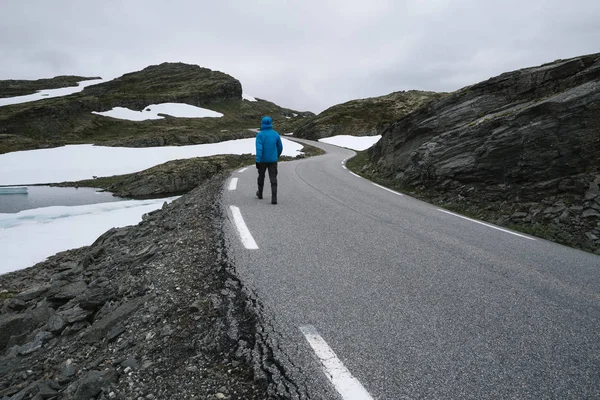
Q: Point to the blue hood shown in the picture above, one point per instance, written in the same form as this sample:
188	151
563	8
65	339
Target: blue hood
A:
266	123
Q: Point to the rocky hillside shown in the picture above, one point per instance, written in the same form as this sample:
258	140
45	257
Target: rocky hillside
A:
12	88
152	311
69	119
522	148
363	117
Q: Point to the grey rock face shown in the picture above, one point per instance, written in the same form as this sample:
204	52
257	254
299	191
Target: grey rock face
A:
521	129
525	136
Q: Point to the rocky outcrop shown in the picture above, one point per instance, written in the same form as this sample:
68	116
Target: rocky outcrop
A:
166	83
525	143
363	117
151	311
171	178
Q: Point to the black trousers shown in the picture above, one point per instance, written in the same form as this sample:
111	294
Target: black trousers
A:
262	168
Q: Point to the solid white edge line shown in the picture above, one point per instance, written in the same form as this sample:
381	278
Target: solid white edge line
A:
389	190
343	381
356	175
243	231
233	183
243	169
488	225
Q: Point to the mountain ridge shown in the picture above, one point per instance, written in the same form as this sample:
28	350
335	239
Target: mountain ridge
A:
69	120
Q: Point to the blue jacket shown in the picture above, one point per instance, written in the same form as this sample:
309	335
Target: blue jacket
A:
268	143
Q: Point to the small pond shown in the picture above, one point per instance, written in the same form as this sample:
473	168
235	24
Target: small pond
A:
46	196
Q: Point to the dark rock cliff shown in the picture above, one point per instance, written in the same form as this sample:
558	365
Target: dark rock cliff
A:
529	138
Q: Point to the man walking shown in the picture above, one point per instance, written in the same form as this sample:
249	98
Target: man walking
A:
268	150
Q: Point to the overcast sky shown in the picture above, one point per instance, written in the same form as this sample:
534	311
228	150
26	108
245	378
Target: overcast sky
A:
305	54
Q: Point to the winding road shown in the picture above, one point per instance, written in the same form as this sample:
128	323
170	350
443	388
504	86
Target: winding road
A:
372	294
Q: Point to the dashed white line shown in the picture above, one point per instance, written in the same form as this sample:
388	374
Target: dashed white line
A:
346	384
243	231
233	183
389	190
483	223
343	166
243	169
356	175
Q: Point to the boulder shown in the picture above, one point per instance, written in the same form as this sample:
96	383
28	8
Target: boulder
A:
91	384
33	293
74	314
56	324
13	325
100	328
67	292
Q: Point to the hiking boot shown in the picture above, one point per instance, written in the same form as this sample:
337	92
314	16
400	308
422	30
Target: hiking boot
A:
274	194
259	195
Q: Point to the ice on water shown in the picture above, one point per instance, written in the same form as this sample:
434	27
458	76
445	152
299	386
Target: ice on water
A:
30	236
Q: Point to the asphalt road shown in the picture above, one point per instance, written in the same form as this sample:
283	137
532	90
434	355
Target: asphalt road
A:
417	303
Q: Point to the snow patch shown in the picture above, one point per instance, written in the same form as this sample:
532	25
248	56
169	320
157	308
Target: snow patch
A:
358	143
77	162
49	93
247	97
31	236
178	110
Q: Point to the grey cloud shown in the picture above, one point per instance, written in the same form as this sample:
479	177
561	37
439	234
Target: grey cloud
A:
303	55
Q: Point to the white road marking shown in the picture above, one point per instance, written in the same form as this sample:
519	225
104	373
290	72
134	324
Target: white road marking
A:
243	169
243	231
233	183
389	190
343	166
488	225
346	385
358	176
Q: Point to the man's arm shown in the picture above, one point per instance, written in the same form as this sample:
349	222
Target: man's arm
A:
259	147
279	146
